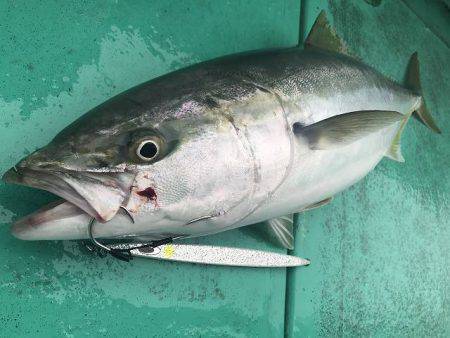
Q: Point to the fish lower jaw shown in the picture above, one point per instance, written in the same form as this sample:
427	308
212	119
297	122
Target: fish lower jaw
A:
57	221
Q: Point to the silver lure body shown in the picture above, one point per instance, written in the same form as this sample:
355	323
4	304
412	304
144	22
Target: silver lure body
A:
236	160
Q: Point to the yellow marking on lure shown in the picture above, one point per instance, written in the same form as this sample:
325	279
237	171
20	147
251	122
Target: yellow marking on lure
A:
168	251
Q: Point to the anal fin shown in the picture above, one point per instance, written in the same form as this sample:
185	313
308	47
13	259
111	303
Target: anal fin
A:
318	204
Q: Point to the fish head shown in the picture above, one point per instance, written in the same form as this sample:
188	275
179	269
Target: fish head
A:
166	166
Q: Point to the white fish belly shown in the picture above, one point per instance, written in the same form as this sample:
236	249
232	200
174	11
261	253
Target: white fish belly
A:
320	174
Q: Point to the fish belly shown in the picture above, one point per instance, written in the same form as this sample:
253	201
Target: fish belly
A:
320	174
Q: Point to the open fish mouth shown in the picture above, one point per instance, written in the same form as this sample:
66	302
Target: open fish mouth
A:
86	195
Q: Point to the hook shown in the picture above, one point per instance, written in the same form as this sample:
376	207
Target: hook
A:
127	213
123	254
103	250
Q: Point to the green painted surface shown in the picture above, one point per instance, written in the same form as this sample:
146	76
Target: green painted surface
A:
379	252
58	60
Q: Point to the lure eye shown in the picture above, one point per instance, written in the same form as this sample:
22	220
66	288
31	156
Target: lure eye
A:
147	150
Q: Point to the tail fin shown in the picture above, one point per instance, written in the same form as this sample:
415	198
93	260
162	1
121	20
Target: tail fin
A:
412	82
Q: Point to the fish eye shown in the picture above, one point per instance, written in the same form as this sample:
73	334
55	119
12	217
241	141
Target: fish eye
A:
147	150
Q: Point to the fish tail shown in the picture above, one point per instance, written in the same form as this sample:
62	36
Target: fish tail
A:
412	82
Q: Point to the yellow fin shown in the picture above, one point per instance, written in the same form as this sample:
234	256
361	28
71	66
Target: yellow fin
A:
412	82
395	150
318	204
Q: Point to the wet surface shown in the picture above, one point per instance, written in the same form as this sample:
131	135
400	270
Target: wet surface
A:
60	60
379	251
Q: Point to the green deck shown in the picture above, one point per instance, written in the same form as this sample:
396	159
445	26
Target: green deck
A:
380	251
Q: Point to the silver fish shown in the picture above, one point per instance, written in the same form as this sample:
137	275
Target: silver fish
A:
222	144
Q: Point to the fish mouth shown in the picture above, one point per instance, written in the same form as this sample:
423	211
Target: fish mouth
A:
87	195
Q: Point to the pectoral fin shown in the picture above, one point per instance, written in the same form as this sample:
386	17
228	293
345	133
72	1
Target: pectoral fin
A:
346	128
323	36
280	231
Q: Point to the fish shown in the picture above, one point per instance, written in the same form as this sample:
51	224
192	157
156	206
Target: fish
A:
239	140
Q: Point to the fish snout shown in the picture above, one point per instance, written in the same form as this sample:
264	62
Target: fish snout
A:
37	161
98	194
33	163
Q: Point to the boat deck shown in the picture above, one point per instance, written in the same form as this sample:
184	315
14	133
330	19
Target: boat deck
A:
379	252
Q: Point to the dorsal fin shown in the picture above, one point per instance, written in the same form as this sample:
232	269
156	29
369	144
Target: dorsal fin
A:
323	36
344	129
